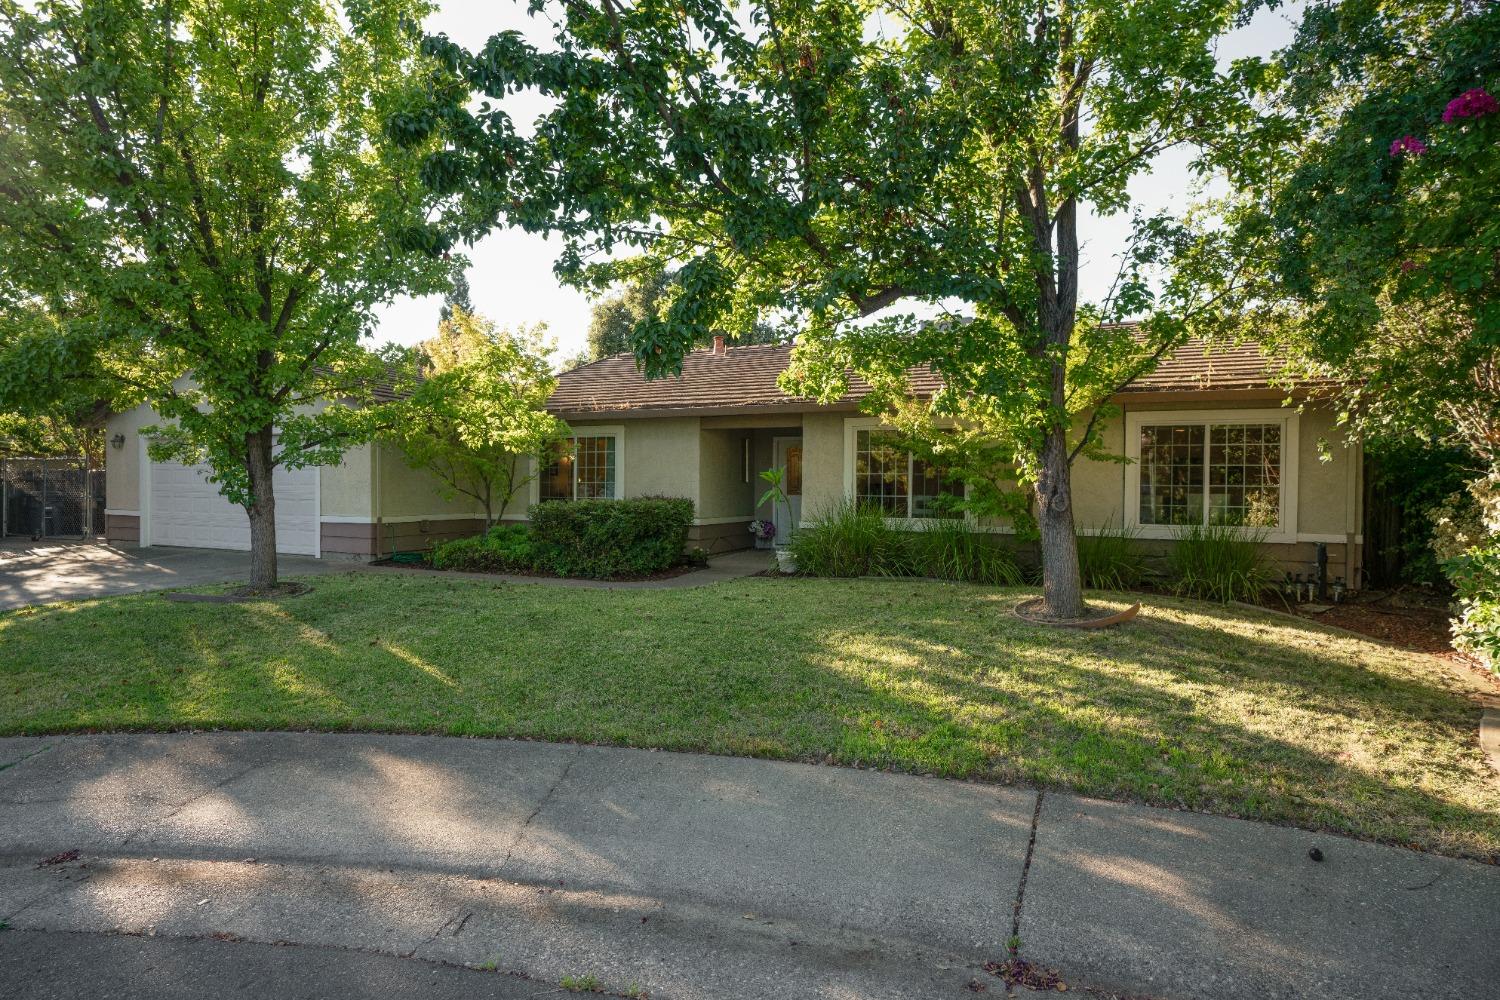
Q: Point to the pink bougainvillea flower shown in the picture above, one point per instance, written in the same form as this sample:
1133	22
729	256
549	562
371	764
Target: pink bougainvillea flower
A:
1474	103
1408	144
1408	266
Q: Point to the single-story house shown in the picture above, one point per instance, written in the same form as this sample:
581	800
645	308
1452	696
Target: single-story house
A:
1207	434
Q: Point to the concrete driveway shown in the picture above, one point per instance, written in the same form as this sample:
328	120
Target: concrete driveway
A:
678	875
53	570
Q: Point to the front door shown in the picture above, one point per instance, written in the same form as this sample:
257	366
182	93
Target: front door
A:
788	456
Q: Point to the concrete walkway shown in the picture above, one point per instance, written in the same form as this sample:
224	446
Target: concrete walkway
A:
685	876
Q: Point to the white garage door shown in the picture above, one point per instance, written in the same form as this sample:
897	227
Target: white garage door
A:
186	509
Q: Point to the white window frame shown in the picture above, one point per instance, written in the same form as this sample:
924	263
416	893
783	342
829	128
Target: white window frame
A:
852	427
616	431
1286	519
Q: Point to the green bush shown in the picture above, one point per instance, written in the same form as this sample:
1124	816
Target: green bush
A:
852	539
954	550
610	538
1220	562
1476	583
1110	559
505	548
849	539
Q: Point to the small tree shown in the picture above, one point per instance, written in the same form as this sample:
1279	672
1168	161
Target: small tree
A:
843	163
203	194
478	417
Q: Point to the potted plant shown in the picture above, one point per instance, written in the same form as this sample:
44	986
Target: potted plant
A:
764	530
776	494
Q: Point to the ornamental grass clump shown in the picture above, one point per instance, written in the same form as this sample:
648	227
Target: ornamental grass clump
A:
1110	559
1220	562
955	550
849	539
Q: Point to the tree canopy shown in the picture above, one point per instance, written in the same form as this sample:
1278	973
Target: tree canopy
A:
203	197
615	318
858	166
1375	236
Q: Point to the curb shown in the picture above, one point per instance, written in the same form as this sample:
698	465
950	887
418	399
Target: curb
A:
1489	736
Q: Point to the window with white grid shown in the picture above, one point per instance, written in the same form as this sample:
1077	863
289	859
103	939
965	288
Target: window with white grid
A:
583	468
1212	472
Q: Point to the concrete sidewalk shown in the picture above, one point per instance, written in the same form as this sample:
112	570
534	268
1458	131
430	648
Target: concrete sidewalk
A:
691	876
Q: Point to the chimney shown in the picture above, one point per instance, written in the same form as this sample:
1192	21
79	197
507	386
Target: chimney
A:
718	343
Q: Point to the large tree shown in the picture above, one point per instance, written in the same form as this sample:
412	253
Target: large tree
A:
857	166
202	193
1376	237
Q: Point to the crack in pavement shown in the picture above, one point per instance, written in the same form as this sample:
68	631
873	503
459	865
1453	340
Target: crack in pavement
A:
217	786
1036	817
35	753
546	798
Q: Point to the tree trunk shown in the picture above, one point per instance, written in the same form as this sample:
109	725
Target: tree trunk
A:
262	510
1062	587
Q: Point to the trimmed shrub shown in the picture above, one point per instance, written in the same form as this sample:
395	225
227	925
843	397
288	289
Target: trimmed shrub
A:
1110	559
505	548
849	539
610	538
1220	562
954	550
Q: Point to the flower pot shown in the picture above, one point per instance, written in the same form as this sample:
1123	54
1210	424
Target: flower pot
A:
785	561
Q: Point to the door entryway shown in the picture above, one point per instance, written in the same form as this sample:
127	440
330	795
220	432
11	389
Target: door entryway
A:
788	456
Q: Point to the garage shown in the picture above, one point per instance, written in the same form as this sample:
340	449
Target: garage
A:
185	509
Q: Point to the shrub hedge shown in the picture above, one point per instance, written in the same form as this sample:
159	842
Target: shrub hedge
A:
609	538
599	539
1476	584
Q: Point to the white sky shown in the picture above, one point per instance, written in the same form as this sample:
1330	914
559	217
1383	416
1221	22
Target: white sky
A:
511	272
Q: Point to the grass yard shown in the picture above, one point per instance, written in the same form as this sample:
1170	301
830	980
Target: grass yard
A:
1218	710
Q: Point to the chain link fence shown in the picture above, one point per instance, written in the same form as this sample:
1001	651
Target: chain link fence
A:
50	498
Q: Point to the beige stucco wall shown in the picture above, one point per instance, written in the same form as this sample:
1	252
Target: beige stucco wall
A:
661	458
346	489
723	490
822	462
1328	493
414	493
122	466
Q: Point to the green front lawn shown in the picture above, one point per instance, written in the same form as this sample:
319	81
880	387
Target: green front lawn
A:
1229	712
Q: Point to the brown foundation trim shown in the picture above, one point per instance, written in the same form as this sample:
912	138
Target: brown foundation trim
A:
123	530
370	540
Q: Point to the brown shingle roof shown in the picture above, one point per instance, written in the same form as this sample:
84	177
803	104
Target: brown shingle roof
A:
744	378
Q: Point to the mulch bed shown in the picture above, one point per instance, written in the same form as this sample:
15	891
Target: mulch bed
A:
1411	618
